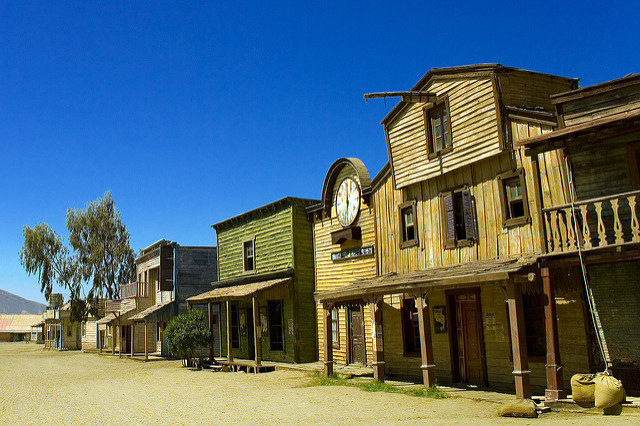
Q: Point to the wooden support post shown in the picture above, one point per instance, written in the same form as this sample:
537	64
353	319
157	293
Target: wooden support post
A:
133	342
378	341
257	335
328	340
555	387
120	337
229	344
210	310
518	341
146	348
426	345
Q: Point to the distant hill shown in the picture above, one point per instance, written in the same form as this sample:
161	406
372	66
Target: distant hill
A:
12	304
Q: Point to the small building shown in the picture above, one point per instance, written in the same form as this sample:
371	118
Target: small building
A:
59	331
594	235
167	274
17	327
264	296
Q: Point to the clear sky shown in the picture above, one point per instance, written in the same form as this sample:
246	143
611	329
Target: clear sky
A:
192	113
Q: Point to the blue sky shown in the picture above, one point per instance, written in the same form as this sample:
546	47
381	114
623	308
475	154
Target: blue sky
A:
192	113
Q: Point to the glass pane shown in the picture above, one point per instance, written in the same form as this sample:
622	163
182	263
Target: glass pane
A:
439	143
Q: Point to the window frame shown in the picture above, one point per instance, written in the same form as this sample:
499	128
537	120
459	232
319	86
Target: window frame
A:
244	254
335	328
508	222
271	303
409	329
404	206
468	240
428	113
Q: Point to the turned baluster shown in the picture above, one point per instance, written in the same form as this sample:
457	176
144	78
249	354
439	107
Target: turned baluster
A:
571	230
586	233
617	225
547	223
602	231
555	231
635	225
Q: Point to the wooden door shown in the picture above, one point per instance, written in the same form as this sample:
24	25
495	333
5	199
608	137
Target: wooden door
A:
126	339
469	342
357	352
249	322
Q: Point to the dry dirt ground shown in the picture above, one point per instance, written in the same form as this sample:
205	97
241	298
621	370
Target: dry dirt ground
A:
39	386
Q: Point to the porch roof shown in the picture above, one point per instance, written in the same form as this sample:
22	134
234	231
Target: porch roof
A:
236	291
153	312
461	274
112	316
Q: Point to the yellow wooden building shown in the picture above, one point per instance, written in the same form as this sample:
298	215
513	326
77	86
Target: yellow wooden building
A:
431	268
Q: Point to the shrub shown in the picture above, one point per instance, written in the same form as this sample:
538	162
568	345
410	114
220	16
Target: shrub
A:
185	333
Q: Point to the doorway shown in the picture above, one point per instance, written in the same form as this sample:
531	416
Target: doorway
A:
126	339
249	322
466	338
357	351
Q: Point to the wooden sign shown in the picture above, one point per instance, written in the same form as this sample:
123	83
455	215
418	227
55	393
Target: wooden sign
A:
352	253
440	319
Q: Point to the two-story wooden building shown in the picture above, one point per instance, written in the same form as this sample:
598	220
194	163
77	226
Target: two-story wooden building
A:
594	235
265	291
167	274
431	269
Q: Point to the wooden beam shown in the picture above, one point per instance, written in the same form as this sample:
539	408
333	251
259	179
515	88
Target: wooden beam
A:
378	341
146	349
133	342
426	345
211	352
257	335
328	340
555	387
229	344
518	341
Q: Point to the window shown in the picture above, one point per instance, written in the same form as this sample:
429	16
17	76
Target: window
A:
69	332
458	218
274	309
249	264
534	325
408	225
335	328
438	128
513	198
235	327
410	327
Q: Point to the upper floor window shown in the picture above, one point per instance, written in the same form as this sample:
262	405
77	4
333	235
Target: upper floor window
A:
458	218
408	224
249	258
513	198
438	128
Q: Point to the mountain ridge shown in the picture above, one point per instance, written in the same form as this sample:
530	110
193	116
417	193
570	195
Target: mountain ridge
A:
13	304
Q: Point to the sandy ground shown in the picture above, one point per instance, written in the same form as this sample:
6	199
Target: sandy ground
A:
39	386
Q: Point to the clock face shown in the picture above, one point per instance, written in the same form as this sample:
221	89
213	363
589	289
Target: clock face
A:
348	201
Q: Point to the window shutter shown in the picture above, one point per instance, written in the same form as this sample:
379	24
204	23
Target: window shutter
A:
449	221
468	215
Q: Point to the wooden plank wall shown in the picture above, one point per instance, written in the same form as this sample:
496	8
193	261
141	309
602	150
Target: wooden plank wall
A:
530	90
273	248
330	274
474	126
598	106
494	241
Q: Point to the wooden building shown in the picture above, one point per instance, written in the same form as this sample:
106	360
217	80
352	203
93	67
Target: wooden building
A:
265	291
18	327
167	274
596	230
431	269
59	331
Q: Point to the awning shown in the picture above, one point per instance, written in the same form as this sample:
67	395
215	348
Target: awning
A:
236	291
461	274
154	312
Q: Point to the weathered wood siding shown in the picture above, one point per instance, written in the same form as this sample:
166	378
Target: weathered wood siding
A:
494	241
527	89
599	106
474	127
197	268
89	339
332	274
273	249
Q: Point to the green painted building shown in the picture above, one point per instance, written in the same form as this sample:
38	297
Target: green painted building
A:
262	306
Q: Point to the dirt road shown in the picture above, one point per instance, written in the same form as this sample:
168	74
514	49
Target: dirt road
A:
39	386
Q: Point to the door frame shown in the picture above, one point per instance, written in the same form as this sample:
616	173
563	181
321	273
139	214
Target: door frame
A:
453	332
349	354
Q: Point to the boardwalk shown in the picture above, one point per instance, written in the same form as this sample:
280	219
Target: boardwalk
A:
65	387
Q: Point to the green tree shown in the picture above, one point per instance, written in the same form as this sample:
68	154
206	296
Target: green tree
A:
185	333
101	261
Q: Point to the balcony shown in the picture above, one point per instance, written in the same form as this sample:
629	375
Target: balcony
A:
129	290
592	224
119	305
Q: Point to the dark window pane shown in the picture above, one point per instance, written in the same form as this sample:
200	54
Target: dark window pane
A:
274	308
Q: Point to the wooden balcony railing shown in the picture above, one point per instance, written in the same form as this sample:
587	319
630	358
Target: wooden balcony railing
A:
600	222
119	305
129	290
